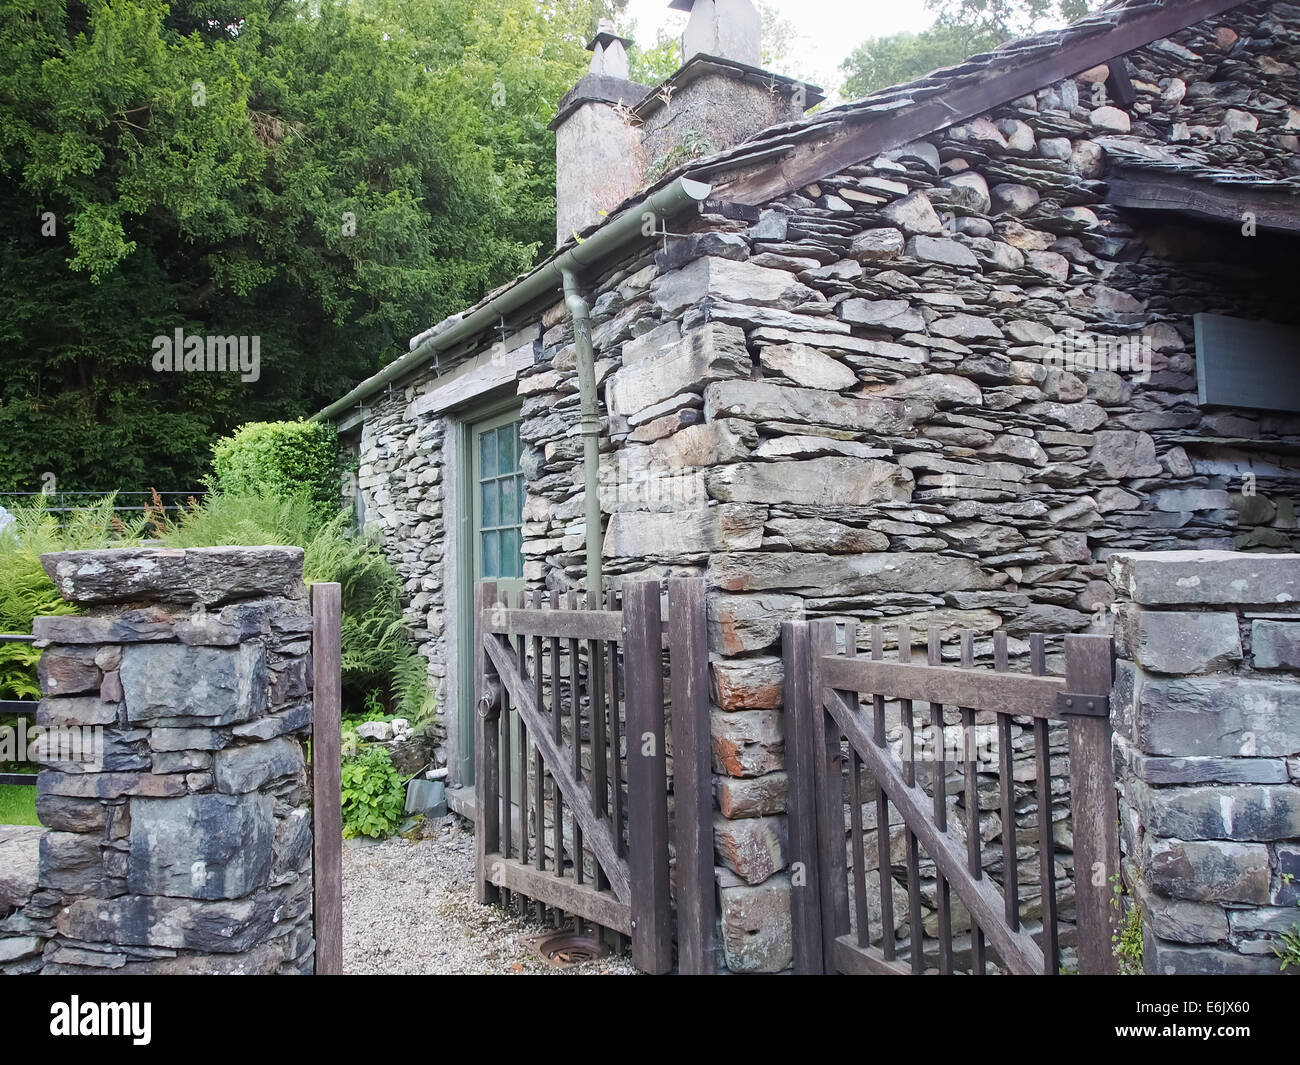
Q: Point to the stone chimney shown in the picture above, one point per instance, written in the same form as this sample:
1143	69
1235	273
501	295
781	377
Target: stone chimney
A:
598	156
724	29
614	137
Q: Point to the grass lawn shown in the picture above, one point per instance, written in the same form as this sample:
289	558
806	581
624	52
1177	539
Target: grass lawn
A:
17	805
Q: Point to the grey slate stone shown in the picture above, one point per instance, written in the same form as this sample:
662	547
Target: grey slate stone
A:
1275	644
200	846
207	575
170	681
1207	870
1257	813
1207	578
1184	642
1217	715
248	767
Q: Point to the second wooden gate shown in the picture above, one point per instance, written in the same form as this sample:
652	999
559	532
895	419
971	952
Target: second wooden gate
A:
879	891
572	790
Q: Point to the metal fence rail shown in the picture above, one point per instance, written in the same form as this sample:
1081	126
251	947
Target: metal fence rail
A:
19	707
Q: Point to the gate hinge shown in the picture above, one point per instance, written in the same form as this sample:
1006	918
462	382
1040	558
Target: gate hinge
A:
1071	704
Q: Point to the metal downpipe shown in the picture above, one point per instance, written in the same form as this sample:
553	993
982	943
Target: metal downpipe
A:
590	427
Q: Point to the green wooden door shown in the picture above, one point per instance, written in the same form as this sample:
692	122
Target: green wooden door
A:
494	505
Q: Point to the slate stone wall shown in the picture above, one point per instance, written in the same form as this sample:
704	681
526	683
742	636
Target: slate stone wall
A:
179	832
940	387
1207	752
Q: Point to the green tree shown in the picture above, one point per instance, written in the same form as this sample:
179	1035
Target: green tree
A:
880	62
962	28
1005	19
327	175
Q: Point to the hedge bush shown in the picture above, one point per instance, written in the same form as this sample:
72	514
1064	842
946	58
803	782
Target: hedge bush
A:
281	459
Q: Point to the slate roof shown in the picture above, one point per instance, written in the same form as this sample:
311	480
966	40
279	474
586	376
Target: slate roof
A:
776	142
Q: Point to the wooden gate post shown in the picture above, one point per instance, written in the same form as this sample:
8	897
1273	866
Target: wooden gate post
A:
805	890
326	777
828	775
647	782
487	751
1095	809
688	643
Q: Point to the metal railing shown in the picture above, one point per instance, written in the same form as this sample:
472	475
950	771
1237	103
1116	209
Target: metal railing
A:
17	707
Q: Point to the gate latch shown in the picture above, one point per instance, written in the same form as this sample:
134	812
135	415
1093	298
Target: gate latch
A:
1070	704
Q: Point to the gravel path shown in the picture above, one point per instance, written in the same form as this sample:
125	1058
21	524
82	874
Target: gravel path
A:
408	908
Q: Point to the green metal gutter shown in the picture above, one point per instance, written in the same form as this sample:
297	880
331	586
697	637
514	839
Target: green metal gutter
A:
639	221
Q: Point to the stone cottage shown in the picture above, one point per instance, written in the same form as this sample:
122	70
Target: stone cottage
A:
929	357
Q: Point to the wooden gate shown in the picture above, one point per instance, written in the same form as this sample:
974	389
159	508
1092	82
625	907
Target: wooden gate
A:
587	750
841	712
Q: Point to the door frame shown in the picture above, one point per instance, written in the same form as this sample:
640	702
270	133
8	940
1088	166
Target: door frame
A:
463	535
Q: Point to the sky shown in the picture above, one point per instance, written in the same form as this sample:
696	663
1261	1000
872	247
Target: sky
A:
829	29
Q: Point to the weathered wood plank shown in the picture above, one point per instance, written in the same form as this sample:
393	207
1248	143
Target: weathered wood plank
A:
1046	842
326	782
805	896
1006	790
1089	671
829	790
1011	693
562	893
688	640
569	624
652	932
857	960
884	863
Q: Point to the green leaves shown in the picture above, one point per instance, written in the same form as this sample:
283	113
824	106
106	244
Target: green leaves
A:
330	176
373	794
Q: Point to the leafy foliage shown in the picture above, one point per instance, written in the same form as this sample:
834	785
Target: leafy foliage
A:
280	459
171	165
377	651
1126	937
373	795
963	28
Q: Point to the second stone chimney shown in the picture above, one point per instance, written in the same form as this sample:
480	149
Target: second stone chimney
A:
614	137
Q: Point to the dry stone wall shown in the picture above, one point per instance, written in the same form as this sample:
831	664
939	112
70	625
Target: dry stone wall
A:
1207	755
941	387
174	791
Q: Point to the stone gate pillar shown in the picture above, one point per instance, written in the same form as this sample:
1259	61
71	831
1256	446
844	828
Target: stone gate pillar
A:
174	791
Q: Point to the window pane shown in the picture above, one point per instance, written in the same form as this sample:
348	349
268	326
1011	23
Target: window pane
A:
512	563
506	448
519	500
491	555
491	509
509	505
488	454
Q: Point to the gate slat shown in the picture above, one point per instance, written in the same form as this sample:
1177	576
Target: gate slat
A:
1006	786
974	854
884	862
908	717
940	782
1046	843
487	735
1011	693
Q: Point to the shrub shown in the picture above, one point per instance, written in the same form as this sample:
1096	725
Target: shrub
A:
373	795
280	459
377	650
